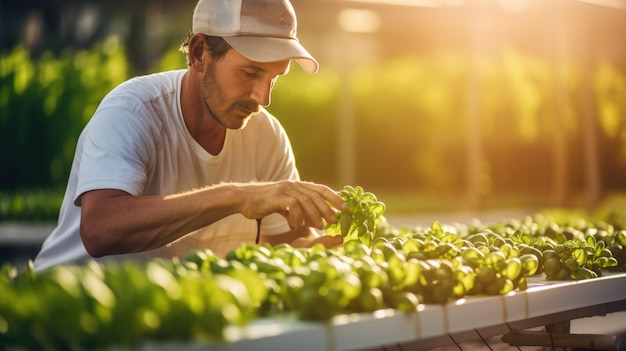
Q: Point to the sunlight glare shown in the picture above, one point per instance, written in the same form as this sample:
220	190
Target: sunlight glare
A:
513	5
359	21
413	3
617	4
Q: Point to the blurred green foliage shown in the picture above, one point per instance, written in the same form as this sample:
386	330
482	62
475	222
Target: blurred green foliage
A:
45	103
412	125
413	129
32	205
307	107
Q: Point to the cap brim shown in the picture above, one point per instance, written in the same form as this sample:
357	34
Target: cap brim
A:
264	49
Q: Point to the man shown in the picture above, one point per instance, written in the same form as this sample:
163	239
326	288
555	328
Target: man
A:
190	158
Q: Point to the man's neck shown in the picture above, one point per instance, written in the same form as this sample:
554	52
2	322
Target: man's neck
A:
207	131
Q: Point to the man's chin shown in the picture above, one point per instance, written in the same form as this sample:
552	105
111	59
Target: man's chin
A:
244	123
240	123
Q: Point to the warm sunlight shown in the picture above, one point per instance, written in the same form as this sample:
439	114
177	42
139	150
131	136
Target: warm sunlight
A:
359	21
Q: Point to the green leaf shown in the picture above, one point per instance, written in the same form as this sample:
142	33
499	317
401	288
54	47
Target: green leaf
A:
580	255
345	222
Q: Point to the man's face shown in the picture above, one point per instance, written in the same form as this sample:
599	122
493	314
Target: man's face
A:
234	88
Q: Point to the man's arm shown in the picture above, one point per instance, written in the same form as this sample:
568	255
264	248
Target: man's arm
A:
115	222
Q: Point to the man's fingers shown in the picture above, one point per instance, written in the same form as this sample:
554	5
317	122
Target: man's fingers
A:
292	212
327	194
301	203
314	200
327	241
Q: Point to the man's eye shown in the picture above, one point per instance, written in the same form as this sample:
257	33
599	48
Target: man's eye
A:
249	74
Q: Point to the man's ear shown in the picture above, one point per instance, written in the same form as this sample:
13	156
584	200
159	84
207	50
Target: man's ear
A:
196	51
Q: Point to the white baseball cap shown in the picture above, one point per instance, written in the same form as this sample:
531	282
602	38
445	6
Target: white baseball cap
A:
260	30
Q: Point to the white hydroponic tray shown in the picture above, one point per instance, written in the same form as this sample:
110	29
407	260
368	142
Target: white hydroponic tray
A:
388	327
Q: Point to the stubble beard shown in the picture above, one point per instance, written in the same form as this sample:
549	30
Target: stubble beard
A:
212	94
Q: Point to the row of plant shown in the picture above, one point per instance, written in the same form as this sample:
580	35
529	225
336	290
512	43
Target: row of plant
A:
205	298
49	99
32	205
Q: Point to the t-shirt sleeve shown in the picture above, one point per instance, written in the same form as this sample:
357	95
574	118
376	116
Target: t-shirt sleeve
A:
115	153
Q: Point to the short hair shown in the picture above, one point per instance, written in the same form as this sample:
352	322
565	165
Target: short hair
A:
217	46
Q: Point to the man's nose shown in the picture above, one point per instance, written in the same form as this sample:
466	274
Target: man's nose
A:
262	92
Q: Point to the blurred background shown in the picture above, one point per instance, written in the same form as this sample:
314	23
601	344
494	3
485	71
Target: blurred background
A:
483	108
433	105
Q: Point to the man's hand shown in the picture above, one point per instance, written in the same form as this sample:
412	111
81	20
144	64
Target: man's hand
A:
303	237
327	241
303	204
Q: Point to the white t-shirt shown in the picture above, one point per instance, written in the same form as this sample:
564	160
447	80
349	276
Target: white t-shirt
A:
137	141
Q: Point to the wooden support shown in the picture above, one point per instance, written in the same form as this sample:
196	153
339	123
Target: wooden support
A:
562	327
554	340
